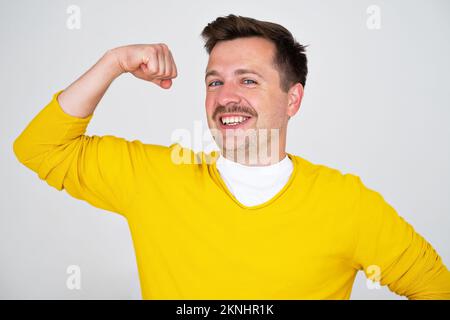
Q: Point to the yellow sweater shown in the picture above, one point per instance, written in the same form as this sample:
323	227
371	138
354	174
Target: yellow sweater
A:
194	240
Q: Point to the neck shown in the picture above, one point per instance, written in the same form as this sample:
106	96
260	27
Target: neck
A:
254	160
264	152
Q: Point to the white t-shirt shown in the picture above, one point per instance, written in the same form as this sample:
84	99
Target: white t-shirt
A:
254	185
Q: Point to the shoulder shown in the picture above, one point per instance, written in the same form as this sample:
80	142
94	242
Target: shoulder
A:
327	182
324	173
175	155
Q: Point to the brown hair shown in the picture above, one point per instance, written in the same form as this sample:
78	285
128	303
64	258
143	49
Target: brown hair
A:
290	58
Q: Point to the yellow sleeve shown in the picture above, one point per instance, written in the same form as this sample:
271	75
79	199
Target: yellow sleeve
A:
391	252
99	170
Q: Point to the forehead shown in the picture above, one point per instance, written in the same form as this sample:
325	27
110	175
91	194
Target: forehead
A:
251	52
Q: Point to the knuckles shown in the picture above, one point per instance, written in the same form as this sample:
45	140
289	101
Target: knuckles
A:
154	70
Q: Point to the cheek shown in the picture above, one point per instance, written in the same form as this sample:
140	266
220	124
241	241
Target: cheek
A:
209	105
274	110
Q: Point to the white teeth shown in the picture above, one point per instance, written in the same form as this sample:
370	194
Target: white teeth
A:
233	120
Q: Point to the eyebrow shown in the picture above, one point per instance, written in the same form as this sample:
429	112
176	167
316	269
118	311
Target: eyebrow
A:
236	72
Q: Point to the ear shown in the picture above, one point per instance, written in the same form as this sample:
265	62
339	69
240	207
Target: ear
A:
295	96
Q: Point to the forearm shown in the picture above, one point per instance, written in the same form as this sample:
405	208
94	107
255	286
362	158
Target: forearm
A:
82	97
436	288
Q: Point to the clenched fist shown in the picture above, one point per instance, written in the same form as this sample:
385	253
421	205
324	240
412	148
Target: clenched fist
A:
151	62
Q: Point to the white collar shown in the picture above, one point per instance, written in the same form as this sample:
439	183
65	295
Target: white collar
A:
242	172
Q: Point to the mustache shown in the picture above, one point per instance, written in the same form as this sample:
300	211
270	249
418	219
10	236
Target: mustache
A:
234	108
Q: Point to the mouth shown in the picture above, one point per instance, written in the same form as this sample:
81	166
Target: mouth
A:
234	121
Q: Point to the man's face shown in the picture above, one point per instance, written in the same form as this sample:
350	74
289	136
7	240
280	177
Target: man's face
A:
243	84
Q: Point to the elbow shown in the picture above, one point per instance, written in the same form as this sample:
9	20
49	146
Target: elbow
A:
24	150
19	149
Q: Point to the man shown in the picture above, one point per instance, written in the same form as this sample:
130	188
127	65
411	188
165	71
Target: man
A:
240	223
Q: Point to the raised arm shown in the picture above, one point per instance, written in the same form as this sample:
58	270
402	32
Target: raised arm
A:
100	170
152	62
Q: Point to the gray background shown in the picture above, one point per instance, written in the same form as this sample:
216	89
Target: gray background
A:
376	105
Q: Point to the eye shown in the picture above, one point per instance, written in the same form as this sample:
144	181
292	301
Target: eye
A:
210	84
254	82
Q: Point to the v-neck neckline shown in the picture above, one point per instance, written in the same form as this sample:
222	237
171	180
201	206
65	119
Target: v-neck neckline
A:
218	178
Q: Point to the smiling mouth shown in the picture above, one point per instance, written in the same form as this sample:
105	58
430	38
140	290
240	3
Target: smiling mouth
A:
233	121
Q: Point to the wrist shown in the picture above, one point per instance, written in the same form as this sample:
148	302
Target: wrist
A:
111	63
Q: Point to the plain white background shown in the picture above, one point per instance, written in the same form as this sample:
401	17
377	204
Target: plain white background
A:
376	105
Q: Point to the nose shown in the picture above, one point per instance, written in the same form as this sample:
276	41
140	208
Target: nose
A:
228	93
